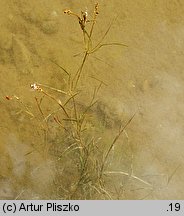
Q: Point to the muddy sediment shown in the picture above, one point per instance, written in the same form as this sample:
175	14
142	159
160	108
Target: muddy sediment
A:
144	78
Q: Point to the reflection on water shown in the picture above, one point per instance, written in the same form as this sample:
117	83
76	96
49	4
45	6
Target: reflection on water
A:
42	155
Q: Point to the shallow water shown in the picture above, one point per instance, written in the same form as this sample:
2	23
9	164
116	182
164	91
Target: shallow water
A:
145	78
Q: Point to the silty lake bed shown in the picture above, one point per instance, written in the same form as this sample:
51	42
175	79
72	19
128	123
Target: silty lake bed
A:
144	78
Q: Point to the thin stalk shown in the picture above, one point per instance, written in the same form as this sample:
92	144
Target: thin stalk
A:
107	31
113	143
58	102
78	74
106	44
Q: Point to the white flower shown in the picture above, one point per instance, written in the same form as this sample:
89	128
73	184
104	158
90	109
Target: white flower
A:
34	86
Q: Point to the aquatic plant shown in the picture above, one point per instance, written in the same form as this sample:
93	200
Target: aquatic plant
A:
81	155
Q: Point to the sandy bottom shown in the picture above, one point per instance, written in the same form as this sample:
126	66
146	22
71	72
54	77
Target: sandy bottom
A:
145	77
